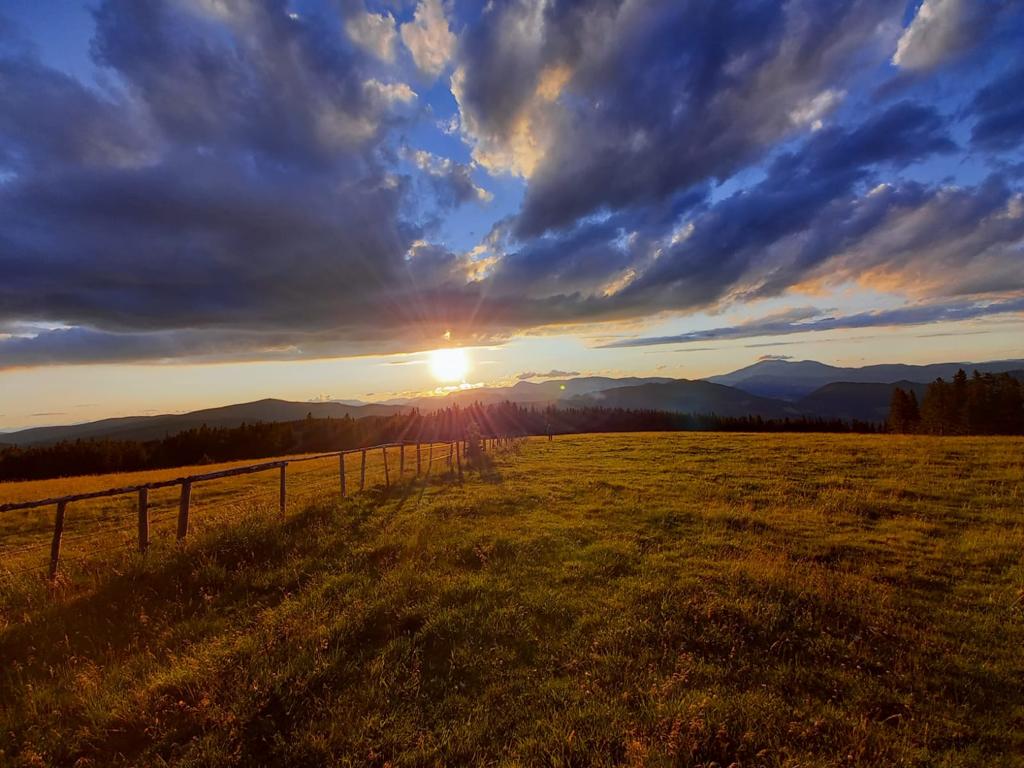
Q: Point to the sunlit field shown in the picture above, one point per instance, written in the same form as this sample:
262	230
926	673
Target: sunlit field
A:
97	527
646	599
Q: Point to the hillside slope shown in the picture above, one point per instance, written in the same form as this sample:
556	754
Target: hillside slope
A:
155	427
685	396
535	393
851	400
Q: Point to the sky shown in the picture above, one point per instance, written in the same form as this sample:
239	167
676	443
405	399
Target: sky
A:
213	201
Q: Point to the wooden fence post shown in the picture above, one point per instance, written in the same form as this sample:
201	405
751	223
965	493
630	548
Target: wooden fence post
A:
419	460
341	471
186	499
284	491
143	520
387	477
362	471
458	459
58	531
401	461
449	457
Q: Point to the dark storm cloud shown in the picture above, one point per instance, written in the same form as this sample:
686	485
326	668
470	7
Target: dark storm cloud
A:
235	201
660	96
86	345
730	239
240	192
83	345
50	120
999	112
196	241
238	74
256	201
334	295
804	321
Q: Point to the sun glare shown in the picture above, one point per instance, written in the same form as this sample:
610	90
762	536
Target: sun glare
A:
449	365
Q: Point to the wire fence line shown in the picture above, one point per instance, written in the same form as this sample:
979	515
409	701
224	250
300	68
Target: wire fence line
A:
387	462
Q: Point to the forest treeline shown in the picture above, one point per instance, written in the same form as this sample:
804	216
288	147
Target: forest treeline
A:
983	404
259	440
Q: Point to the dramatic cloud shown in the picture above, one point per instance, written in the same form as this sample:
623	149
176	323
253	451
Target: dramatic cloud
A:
81	345
255	202
249	76
428	38
49	121
374	32
999	109
764	240
813	111
608	105
940	29
238	181
453	181
808	320
553	374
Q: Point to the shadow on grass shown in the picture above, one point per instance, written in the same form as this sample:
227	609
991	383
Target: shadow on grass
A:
137	599
484	466
143	599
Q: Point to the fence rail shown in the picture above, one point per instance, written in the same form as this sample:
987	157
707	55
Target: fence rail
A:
452	453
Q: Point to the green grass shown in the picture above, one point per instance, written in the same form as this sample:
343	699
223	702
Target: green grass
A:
676	599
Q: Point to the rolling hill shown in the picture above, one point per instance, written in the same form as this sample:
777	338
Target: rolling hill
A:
854	400
268	410
541	393
155	427
686	396
770	388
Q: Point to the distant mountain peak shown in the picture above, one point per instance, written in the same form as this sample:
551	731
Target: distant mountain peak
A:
794	379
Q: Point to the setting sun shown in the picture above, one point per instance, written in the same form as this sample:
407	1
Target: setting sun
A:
449	365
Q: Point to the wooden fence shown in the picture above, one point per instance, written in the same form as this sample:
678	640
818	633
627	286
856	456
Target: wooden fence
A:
449	453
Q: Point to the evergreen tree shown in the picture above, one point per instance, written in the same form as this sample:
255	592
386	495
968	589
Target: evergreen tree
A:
913	412
1007	405
935	408
956	417
899	407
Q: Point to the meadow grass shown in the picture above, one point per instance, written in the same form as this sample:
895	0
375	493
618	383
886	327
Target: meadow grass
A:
650	599
96	527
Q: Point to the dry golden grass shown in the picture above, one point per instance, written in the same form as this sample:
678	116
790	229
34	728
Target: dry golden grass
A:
95	526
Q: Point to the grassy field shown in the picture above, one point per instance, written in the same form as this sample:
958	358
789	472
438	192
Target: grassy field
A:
675	599
100	526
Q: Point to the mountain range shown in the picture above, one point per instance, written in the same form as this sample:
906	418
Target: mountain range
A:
544	392
792	380
686	396
769	388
